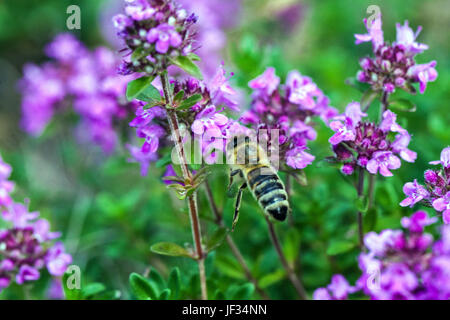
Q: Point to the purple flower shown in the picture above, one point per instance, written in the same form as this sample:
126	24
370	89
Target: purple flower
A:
423	73
301	90
343	131
57	260
445	158
221	91
321	294
27	273
338	289
144	158
400	146
443	205
266	83
383	161
375	33
389	122
65	47
415	193
297	158
19	215
407	38
209	122
417	221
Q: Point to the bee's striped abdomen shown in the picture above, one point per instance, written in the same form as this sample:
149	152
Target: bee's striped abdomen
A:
268	191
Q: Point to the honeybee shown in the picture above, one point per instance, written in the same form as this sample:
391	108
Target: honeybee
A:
249	161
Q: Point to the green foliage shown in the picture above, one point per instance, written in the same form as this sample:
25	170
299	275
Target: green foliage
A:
138	86
186	63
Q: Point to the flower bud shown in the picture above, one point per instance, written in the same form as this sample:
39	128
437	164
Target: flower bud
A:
431	177
347	169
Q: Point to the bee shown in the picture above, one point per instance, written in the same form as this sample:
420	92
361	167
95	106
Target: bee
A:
249	161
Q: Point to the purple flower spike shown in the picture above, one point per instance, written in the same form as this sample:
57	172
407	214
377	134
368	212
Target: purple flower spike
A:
393	65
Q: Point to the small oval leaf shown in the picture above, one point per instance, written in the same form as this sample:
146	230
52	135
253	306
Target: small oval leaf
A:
187	65
170	249
141	287
137	86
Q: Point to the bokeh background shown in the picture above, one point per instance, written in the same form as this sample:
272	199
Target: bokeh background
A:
110	215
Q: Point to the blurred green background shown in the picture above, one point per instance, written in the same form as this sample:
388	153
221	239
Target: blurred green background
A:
110	215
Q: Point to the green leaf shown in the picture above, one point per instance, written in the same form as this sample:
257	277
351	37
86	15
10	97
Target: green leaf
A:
151	94
174	283
187	65
229	266
362	204
194	57
170	249
244	292
216	239
271	278
142	288
93	289
165	294
291	245
157	279
340	246
179	96
370	219
137	86
402	105
189	102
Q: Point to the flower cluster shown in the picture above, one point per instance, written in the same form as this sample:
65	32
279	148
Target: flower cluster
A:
290	109
436	192
393	65
154	32
205	120
365	144
26	247
400	265
76	76
215	16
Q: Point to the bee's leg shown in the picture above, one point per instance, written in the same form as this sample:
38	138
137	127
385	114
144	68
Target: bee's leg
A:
238	205
232	174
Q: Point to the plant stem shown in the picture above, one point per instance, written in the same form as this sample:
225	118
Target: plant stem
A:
290	272
360	190
192	199
372	181
384	105
234	249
